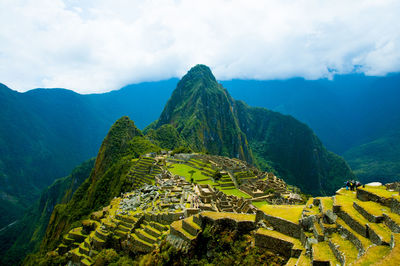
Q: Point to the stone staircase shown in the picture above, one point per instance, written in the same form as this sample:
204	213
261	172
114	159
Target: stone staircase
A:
143	172
186	229
226	182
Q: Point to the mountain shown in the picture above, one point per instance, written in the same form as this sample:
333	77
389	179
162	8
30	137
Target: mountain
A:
109	177
378	159
209	119
26	235
44	133
346	111
201	111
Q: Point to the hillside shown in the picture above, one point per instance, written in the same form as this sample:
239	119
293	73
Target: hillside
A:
209	119
377	159
26	235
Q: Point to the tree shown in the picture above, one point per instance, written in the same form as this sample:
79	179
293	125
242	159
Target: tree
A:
191	172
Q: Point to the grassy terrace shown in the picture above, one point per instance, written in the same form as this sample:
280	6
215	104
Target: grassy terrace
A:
236	192
322	252
373	255
233	216
259	204
327	203
288	212
364	241
183	170
381	192
346	198
393	258
346	247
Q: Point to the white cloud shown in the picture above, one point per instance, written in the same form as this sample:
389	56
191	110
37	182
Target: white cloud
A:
98	45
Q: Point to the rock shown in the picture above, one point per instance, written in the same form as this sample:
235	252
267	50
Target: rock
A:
374	184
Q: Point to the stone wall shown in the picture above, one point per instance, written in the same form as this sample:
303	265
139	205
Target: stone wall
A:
281	225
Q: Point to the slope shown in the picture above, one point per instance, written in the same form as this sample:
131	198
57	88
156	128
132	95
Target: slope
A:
25	236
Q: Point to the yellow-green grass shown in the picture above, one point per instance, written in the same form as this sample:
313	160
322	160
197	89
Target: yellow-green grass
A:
346	203
183	170
346	247
303	260
373	255
236	192
327	203
373	208
233	216
322	252
288	212
381	191
272	233
259	204
313	210
393	258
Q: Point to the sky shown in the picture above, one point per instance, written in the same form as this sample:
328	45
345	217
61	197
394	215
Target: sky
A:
96	45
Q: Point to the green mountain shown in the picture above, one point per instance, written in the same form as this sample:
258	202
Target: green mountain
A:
108	179
201	111
26	235
377	159
209	119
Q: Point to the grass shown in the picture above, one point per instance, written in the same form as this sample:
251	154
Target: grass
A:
236	192
345	200
259	204
291	213
393	258
373	255
364	241
233	216
327	203
183	170
322	252
346	247
381	192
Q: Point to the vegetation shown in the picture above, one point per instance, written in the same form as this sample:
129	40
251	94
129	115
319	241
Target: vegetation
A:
25	236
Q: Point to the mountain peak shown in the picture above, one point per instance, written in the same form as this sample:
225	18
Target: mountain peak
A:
201	71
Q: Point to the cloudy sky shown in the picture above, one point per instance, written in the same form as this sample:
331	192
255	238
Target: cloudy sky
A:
98	45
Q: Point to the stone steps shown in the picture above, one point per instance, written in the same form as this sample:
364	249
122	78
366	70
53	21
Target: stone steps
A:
190	226
177	229
152	231
160	227
145	236
140	244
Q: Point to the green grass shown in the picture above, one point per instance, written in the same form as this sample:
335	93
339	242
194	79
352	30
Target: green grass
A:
322	252
291	213
259	204
233	216
346	247
236	192
183	170
382	192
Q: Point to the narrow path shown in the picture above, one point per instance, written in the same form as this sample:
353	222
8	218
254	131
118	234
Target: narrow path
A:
11	224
